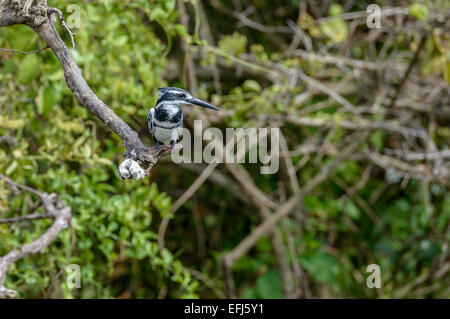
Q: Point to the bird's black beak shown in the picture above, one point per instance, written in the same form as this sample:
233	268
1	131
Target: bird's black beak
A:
203	103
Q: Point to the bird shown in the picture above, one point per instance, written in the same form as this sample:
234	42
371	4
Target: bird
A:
165	120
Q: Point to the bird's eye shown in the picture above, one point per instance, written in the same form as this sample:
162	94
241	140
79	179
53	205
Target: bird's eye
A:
182	95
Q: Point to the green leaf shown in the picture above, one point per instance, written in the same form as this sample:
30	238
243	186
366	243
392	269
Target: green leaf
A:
335	29
377	138
322	266
157	13
447	72
24	38
11	168
335	10
11	124
433	66
251	85
9	67
29	69
264	244
48	98
351	209
180	29
269	285
419	11
249	293
170	5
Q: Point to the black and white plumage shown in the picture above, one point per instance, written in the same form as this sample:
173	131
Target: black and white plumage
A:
165	121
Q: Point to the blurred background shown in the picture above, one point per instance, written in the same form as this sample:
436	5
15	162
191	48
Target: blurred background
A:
363	94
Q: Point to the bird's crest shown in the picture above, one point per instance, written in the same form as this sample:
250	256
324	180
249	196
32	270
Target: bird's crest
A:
171	89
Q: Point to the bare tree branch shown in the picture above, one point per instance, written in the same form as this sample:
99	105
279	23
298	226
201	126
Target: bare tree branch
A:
56	209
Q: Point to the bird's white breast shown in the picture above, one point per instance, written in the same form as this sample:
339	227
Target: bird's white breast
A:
166	135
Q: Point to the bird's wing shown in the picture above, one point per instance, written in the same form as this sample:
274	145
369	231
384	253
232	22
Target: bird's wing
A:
150	120
178	130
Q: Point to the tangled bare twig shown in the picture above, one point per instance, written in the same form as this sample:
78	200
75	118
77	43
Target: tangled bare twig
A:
55	209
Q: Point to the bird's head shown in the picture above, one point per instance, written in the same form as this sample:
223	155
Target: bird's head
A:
179	97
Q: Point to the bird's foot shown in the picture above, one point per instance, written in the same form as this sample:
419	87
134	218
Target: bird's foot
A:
158	145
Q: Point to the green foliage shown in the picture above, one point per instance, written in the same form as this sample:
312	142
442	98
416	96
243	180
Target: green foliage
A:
125	49
419	11
335	28
323	267
62	149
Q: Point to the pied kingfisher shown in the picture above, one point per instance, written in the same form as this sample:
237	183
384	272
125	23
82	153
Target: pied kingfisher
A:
165	121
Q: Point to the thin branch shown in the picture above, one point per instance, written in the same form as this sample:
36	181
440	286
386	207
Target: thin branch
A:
20	186
189	62
243	18
408	71
208	282
386	12
50	11
418	156
180	201
8	139
25	217
24	52
248	242
335	59
56	209
350	125
220	179
440	174
202	178
359	201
